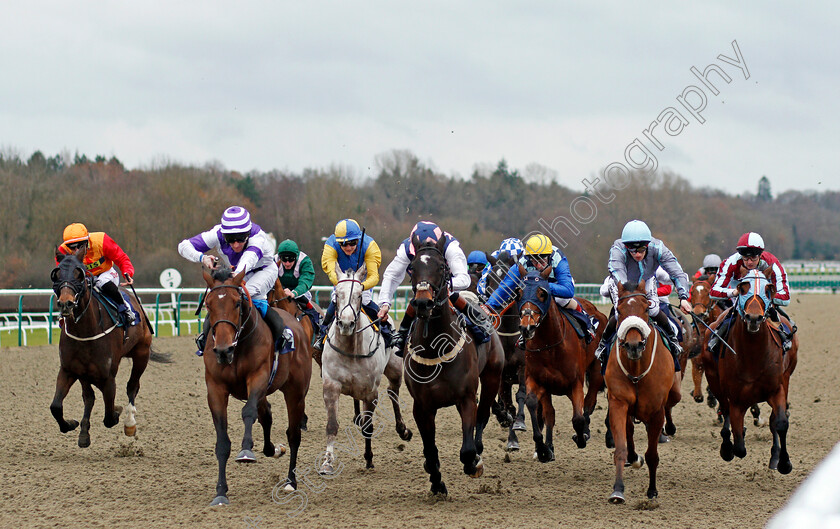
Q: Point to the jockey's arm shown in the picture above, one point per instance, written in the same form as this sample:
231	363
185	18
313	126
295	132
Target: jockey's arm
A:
373	259
720	289
307	277
458	266
668	262
564	286
617	264
782	296
392	277
329	258
507	289
112	251
194	248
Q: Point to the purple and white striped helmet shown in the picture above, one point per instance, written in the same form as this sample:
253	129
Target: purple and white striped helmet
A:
236	219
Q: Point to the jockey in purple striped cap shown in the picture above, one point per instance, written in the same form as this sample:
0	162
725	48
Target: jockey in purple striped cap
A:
242	245
460	280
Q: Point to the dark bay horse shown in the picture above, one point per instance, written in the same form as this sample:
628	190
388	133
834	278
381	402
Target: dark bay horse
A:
443	365
557	362
277	298
91	347
759	372
640	382
239	360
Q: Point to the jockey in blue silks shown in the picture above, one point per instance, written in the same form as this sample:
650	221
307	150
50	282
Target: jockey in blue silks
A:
635	257
476	261
513	247
394	274
539	253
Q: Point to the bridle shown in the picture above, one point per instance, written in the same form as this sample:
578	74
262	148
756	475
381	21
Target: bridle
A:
438	289
247	317
78	287
636	378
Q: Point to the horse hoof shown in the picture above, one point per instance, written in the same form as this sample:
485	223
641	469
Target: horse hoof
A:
219	500
608	440
406	435
638	463
519	426
326	469
726	453
512	446
69	427
84	441
580	440
479	469
698	398
670	429
289	488
536	456
130	430
664	439
711	401
761	422
279	450
617	498
246	456
785	467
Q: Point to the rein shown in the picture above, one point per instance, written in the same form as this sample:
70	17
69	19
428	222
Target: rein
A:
356	314
637	379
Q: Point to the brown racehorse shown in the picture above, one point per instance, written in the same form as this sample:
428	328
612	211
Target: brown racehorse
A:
443	365
277	298
556	363
640	383
706	310
759	372
91	347
239	360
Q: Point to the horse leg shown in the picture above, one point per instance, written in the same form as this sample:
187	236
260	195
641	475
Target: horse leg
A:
109	393
357	413
138	366
736	423
596	384
618	424
697	377
519	423
62	386
502	404
652	453
756	413
332	392
633	459
266	420
394	374
473	466
296	408
580	421
726	448
367	431
491	382
541	451
425	421
779	423
88	397
217	400
674	397
249	417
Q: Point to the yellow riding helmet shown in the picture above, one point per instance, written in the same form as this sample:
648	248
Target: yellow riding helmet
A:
347	230
538	244
75	232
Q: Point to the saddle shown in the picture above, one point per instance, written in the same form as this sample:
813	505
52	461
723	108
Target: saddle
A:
580	322
113	310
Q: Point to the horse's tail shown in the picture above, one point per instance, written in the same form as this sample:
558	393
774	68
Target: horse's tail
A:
161	358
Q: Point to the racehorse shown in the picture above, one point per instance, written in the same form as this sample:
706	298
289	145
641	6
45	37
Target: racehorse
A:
354	360
640	382
240	360
758	371
556	363
707	310
91	347
277	298
443	365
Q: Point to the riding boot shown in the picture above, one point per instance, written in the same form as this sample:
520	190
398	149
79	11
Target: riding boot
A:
787	336
201	339
477	317
284	340
602	353
665	324
124	312
399	338
372	311
329	316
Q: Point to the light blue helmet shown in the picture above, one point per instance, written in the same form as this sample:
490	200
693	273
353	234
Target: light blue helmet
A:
477	257
635	231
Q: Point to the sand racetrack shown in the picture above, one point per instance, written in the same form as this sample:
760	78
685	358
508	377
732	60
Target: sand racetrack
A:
165	477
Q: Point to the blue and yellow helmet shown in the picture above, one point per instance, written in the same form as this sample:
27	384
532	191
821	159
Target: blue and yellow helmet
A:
347	230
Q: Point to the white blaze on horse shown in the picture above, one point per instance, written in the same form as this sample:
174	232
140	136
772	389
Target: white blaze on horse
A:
353	362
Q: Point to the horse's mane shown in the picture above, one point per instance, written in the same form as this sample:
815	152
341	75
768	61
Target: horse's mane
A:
222	273
630	286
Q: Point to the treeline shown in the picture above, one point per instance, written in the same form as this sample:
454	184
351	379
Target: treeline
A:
148	211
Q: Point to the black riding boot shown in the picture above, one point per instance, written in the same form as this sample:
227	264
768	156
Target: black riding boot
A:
788	336
284	340
400	337
329	316
113	292
665	324
201	339
602	352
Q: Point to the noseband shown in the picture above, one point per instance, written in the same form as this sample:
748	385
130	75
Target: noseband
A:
78	287
238	328
355	312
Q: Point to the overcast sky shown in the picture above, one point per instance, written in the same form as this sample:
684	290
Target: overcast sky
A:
289	85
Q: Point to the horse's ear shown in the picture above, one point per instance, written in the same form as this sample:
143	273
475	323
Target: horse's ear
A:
208	277
744	288
58	255
522	271
546	271
441	243
339	273
490	259
641	286
79	273
361	272
768	273
742	271
770	290
237	279
54	275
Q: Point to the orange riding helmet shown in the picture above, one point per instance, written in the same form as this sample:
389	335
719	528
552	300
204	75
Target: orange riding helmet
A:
75	232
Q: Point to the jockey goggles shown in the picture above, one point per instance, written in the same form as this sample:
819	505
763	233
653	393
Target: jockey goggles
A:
749	252
288	258
347	244
73	246
231	238
636	247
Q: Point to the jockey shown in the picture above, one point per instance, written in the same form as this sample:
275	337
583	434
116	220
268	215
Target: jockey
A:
346	250
296	274
513	247
243	245
101	252
539	254
711	264
476	262
752	256
460	280
634	257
